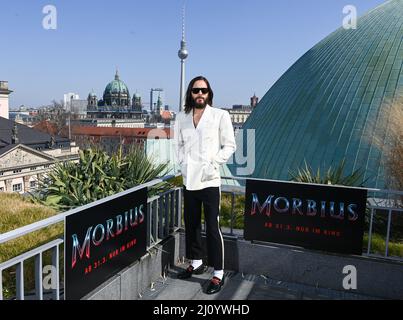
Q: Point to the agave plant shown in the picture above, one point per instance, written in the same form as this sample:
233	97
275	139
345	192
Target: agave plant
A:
96	176
333	176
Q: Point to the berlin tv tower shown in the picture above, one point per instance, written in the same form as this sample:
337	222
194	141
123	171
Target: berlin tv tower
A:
183	54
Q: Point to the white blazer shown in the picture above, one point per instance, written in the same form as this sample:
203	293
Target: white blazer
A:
200	151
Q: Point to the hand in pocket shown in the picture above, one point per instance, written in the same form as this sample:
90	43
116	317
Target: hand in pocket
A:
210	172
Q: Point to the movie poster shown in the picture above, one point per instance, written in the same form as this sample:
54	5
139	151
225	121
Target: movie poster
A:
321	217
102	240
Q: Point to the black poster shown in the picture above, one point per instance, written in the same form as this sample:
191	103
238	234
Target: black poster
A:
322	217
102	240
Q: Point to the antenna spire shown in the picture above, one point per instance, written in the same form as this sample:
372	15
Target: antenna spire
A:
117	74
183	22
182	54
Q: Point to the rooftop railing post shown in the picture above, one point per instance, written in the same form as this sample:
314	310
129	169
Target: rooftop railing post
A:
1	285
55	263
20	281
172	211
149	226
370	231
178	213
166	214
160	218
155	219
232	212
388	233
38	276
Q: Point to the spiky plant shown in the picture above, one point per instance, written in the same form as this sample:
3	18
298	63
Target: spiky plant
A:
96	176
333	176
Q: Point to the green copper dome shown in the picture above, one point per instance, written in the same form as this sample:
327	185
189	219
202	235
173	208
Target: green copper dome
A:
116	93
116	86
328	105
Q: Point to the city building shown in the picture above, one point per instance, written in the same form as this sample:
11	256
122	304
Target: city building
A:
155	95
240	113
23	115
109	139
330	103
109	122
26	155
78	108
4	100
68	97
116	103
239	116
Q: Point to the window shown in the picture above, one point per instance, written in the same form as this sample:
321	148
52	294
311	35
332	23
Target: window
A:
17	171
17	187
1	173
46	166
1	189
32	184
33	168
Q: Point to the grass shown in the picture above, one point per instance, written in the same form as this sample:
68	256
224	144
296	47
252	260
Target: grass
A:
15	212
378	244
225	214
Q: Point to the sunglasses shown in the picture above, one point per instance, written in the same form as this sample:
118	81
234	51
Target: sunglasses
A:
197	90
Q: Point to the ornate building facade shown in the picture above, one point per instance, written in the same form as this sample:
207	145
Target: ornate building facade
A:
26	155
116	103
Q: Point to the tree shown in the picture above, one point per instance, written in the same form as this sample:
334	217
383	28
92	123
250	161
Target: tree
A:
390	143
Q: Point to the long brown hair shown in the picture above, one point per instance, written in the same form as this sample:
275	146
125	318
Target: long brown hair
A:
189	102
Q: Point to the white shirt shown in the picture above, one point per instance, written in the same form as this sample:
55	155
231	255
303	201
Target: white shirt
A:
200	151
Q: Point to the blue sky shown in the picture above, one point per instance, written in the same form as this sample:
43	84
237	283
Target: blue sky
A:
241	46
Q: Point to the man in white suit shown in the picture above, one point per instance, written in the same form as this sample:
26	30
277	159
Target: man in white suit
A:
204	140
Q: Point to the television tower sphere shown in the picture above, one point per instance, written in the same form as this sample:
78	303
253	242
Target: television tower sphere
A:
183	53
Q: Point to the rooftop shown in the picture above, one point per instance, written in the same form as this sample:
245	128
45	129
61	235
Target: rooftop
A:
127	132
26	135
240	286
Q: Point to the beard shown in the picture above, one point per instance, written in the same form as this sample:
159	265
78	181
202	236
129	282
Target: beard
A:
199	105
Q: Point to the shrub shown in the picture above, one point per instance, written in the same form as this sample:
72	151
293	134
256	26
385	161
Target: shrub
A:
96	176
333	176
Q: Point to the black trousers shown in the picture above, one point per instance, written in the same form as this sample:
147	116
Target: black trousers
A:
193	201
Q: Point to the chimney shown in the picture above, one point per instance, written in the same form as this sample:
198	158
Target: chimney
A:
14	137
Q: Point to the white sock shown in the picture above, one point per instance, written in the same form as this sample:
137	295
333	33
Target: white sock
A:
218	274
196	263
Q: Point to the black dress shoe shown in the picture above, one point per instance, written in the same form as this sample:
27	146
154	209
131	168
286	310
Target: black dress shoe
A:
190	270
215	285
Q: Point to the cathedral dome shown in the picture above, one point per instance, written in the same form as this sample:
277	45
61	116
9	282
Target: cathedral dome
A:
116	93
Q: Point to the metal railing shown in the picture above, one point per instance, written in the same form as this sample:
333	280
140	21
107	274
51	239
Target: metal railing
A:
378	202
163	214
383	202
